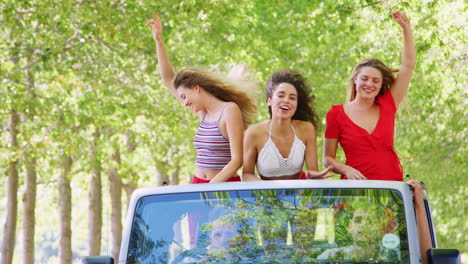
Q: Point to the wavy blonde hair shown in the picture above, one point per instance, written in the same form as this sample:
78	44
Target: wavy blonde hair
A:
388	77
222	88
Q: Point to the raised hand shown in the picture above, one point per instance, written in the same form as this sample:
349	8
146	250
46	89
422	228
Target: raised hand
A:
156	26
314	175
408	58
401	19
165	67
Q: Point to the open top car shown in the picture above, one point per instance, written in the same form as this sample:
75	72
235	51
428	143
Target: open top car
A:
295	221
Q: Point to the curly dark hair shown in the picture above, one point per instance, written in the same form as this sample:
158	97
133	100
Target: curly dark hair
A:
305	100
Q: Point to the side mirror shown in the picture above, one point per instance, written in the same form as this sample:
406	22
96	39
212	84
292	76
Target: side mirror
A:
97	260
443	256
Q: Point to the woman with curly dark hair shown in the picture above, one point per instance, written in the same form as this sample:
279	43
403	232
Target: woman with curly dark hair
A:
279	147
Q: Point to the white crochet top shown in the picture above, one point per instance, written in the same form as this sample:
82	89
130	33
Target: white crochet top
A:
270	163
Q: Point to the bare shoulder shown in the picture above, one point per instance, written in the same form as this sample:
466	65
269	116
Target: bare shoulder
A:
231	108
304	130
256	136
303	127
231	112
200	114
258	130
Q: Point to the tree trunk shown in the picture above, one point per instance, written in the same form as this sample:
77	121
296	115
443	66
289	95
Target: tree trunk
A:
64	202
131	142
9	229
174	178
115	186
95	200
29	196
161	177
133	177
29	203
129	188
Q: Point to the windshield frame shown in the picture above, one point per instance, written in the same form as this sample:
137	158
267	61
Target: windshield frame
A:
400	187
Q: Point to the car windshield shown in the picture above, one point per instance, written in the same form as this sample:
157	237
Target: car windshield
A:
270	226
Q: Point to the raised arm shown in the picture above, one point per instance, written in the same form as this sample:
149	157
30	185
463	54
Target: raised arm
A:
165	67
311	155
408	61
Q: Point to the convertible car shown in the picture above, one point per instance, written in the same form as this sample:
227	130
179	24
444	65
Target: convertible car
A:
288	221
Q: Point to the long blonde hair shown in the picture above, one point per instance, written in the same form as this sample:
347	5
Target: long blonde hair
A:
388	77
220	87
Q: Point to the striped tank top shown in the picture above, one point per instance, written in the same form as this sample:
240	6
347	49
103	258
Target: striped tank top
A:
213	149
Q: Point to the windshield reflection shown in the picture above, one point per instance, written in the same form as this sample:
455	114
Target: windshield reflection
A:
270	226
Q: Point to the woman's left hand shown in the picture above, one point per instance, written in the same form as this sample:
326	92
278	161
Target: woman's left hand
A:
156	26
314	175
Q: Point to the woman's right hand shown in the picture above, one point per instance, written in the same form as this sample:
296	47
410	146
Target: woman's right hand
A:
418	192
353	174
401	19
156	26
314	175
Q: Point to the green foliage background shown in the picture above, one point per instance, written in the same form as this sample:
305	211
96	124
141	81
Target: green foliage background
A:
93	66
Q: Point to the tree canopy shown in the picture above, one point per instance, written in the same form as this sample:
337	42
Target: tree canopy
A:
71	68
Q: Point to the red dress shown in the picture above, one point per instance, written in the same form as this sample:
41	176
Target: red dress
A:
371	154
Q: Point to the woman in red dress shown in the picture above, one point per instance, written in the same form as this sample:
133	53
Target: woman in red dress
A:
364	126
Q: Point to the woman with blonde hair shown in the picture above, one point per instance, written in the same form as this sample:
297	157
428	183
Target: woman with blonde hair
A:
223	108
365	126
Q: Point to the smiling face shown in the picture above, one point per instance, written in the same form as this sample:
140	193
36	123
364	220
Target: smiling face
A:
368	82
190	97
283	102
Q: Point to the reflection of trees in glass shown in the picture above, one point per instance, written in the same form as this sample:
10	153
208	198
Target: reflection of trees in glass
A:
272	226
272	211
152	230
361	223
141	246
228	237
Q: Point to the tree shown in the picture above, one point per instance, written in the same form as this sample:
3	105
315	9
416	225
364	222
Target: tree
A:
12	196
65	217
95	198
29	196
